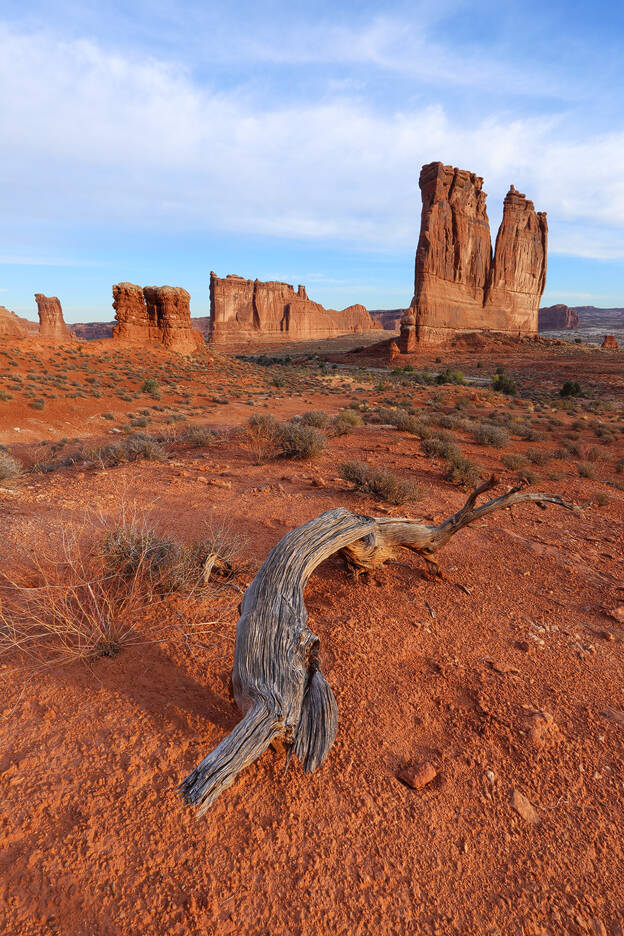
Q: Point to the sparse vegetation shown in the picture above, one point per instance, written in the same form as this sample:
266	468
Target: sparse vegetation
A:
379	481
570	388
10	467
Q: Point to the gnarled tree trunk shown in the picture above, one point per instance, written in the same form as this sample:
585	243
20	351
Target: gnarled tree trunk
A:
277	678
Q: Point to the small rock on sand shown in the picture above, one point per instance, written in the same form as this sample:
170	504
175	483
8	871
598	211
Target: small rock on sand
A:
417	776
523	807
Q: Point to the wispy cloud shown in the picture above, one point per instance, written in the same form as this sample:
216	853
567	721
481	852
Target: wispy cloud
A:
108	139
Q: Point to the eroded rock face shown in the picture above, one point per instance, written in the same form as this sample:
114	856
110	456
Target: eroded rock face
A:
459	286
610	341
557	317
170	308
51	324
155	315
243	310
13	326
407	336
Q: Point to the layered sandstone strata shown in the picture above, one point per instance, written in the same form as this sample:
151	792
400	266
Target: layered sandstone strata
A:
155	315
51	323
243	310
459	286
557	317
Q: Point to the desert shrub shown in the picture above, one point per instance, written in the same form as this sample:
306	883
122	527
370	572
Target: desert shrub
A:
586	470
139	422
437	447
485	434
449	376
107	416
5	396
570	388
136	447
526	474
10	467
593	454
514	461
262	434
537	457
37	404
452	421
300	442
318	419
460	470
602	498
151	386
619	465
346	421
379	481
501	383
197	435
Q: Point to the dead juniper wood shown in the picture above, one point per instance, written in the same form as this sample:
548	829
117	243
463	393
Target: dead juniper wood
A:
277	678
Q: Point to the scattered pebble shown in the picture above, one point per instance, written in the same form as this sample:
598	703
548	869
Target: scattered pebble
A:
417	776
524	807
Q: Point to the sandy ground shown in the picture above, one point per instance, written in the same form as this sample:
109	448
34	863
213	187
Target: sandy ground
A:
506	675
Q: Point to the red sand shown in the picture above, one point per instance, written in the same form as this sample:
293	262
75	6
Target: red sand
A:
455	672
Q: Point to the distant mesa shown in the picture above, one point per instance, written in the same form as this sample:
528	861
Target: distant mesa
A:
52	327
155	315
610	342
557	318
459	285
243	310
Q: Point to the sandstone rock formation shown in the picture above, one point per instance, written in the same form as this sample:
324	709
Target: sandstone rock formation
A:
610	341
155	315
14	326
557	317
407	337
459	286
243	310
51	324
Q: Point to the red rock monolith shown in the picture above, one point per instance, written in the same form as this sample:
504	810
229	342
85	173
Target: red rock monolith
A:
170	307
155	315
458	286
51	323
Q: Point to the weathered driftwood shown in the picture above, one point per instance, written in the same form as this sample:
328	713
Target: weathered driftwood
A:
277	678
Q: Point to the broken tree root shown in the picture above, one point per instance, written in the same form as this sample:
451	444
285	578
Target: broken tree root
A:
277	678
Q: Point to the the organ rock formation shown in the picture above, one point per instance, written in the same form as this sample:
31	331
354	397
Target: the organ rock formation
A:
155	315
557	317
459	285
243	310
51	324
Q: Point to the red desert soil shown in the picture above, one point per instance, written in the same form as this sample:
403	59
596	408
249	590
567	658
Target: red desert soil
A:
505	675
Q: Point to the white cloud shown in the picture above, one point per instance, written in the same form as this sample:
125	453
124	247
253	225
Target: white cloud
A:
103	139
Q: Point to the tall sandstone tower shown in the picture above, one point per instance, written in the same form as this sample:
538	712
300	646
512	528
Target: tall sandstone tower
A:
459	286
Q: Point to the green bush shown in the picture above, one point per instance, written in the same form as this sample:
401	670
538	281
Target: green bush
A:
501	383
379	481
570	388
152	387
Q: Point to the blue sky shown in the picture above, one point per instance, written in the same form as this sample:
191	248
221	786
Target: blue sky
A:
156	141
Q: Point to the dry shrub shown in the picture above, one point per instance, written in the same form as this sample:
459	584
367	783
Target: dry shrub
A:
514	461
460	470
262	433
379	481
440	447
300	442
10	467
485	434
318	419
346	421
101	590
